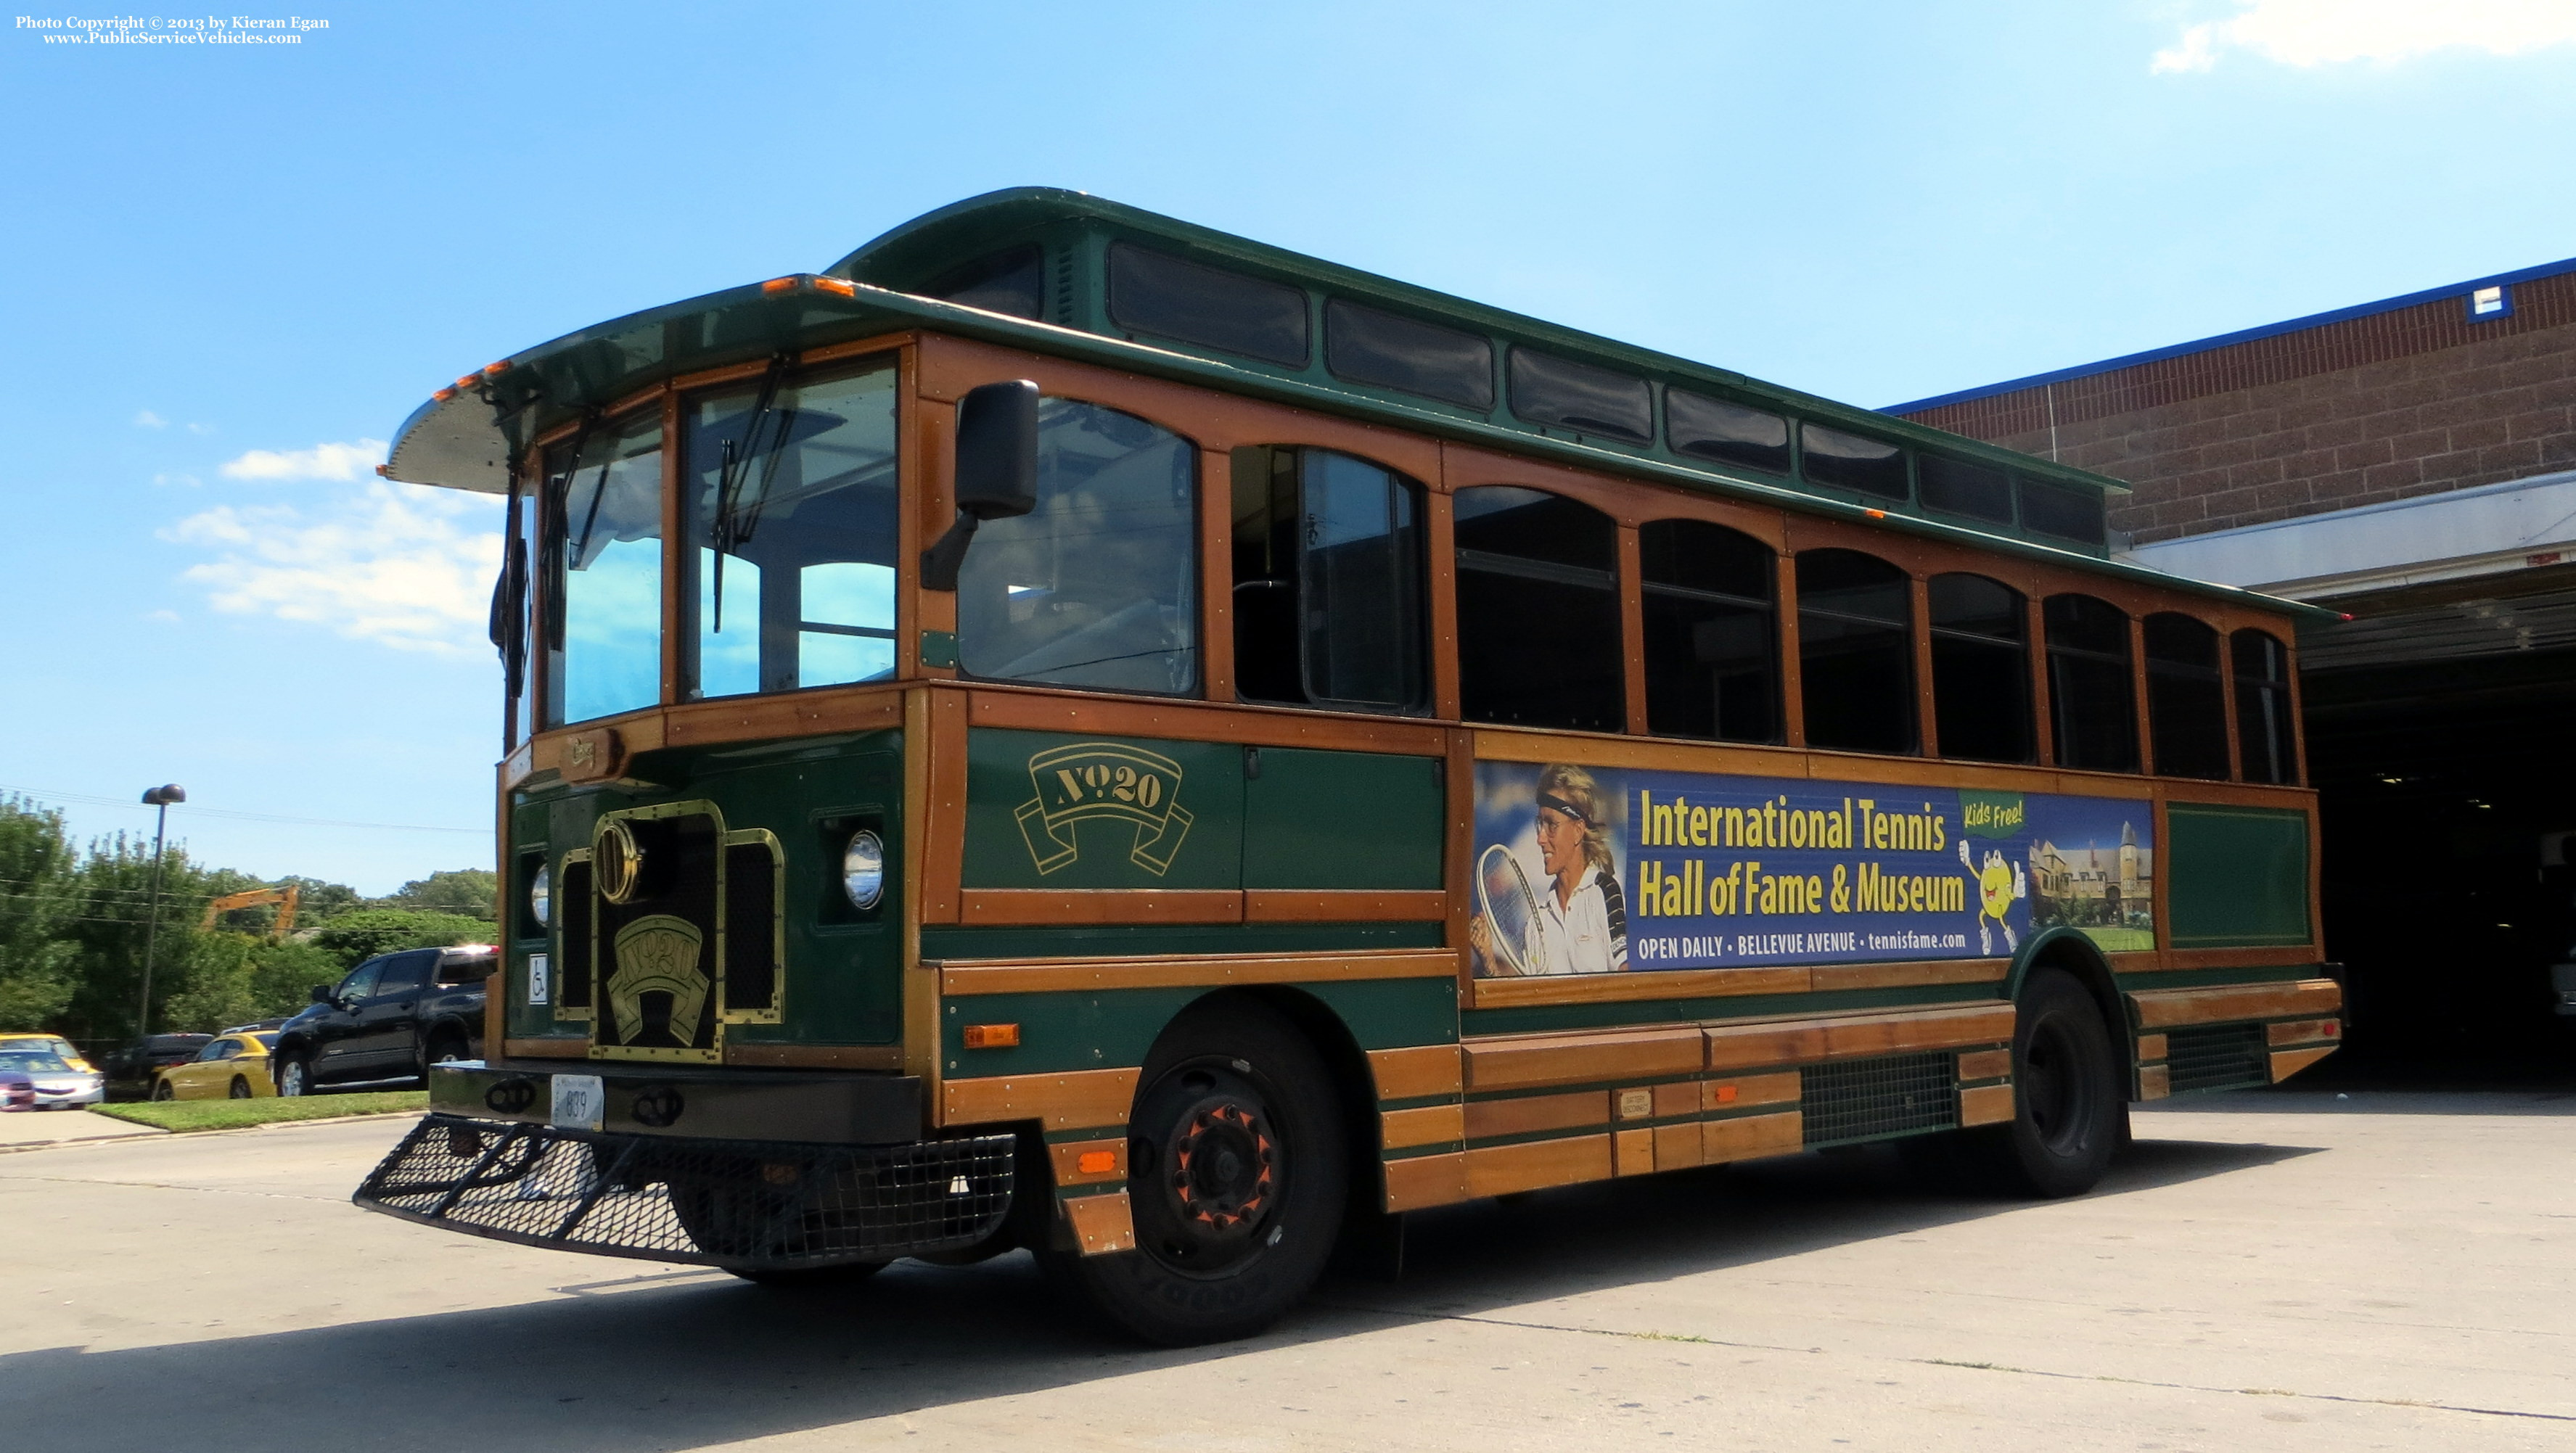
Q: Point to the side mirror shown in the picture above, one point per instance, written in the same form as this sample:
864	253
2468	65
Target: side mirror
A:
320	994
997	471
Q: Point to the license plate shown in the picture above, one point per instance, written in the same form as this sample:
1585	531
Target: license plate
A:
580	1100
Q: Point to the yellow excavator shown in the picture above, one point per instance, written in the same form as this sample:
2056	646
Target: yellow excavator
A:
285	898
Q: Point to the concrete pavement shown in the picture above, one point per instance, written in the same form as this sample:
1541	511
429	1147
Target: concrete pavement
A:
36	1129
2280	1271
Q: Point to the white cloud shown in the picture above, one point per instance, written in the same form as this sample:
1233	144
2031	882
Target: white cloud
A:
399	565
188	481
322	461
146	419
2309	33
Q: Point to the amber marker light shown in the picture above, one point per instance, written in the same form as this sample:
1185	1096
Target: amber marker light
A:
992	1036
842	286
494	370
778	285
1875	514
443	395
1097	1162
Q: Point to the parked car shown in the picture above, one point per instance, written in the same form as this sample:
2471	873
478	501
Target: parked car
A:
50	1043
386	1023
153	1053
58	1085
17	1091
233	1066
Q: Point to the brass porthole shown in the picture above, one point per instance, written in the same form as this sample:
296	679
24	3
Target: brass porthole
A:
617	862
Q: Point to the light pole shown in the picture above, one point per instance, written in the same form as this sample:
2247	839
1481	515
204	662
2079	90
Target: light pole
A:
159	797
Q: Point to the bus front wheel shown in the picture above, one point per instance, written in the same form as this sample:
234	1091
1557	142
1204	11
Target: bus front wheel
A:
1236	1177
2067	1100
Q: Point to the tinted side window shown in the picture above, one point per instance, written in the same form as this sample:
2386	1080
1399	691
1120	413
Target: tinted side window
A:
1727	433
2263	723
1980	669
1855	652
361	981
1097	586
1848	461
404	974
1538	611
1960	488
2186	708
1551	390
1011	281
1711	670
1366	345
1328	582
1152	292
2068	514
2093	705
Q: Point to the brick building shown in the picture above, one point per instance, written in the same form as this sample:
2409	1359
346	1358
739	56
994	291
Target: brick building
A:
2411	462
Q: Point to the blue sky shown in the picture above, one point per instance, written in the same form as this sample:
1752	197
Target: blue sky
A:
232	270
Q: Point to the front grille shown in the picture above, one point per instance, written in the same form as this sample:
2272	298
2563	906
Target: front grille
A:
2217	1057
1870	1098
713	1202
751	926
657	952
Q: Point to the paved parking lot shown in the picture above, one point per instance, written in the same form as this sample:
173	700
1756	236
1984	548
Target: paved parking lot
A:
2283	1271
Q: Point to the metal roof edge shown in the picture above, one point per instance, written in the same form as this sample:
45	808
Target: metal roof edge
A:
2243	335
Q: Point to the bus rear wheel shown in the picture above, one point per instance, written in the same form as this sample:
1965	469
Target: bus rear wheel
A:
1236	1177
2067	1100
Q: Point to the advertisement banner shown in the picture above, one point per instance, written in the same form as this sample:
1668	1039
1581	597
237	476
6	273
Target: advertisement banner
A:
1583	870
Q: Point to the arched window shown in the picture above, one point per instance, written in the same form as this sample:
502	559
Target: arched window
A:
2093	703
1097	586
2264	729
2186	709
1711	669
1855	652
1538	611
1328	582
1980	669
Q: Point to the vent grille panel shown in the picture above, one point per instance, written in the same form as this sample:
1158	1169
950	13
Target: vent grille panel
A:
1872	1098
2217	1057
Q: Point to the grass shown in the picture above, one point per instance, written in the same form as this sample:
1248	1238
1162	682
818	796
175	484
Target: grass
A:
2122	940
186	1115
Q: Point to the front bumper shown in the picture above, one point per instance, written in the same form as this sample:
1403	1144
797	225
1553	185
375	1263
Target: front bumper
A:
64	1099
697	1102
733	1203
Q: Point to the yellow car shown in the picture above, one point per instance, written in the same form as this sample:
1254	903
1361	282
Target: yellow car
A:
53	1044
231	1065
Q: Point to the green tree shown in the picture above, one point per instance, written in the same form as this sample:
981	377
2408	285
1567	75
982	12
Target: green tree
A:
465	891
107	933
35	907
236	978
368	932
321	902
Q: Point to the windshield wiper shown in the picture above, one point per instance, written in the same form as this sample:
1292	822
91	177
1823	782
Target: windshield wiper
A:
731	528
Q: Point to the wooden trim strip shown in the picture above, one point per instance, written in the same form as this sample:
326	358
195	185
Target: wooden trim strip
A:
1343	905
2303	1031
1528	1062
1067	1157
1986	1105
1040	976
2165	1008
1099	905
1421	1181
1102	1224
1428	1125
2151	1047
2155	1082
1858	1036
1079	1100
1531	1114
1408	1074
785	714
1499	1170
1751	1137
1745	1091
1829	977
1033	709
2288	1062
1985	1064
816	1056
550	1047
1625	987
2288	956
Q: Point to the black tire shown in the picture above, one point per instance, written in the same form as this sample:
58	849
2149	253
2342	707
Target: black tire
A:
442	1049
295	1075
1236	1178
240	1089
2067	1100
161	1090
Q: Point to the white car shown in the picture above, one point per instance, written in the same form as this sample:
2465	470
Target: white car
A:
58	1085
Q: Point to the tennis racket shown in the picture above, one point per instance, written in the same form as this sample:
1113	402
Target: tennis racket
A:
1514	934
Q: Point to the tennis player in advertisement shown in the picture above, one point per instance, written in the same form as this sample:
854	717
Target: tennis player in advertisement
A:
1602	870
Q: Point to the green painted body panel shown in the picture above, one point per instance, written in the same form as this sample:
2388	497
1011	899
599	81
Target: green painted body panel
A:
950	941
2238	876
1115	1028
1045	810
843	981
1343	820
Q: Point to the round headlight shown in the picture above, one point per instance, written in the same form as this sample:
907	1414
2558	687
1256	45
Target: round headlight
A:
863	869
541	896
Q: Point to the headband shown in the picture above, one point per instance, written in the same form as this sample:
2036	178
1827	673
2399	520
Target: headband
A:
1550	799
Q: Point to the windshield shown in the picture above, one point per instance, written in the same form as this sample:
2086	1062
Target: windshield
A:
792	513
603	564
27	1063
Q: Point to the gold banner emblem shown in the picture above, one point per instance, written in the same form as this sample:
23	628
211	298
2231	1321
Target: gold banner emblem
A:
660	952
1104	780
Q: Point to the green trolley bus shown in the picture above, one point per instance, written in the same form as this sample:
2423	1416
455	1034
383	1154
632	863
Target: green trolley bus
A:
1072	731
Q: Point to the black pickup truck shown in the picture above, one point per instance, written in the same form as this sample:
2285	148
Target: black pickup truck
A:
386	1023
